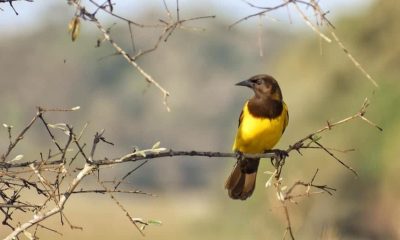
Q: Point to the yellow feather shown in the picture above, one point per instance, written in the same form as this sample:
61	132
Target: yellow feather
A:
255	134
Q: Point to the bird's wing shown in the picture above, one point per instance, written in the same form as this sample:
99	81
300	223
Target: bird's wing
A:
240	118
286	117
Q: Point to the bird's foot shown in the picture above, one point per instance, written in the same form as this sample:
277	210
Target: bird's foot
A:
281	154
241	160
279	157
239	155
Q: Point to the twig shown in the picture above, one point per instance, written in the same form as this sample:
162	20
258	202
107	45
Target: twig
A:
113	191
3	205
308	22
53	192
260	37
337	159
266	10
127	214
321	18
132	157
324	188
133	63
168	29
48	229
355	62
70	224
130	22
360	114
129	173
20	136
63	199
50	133
289	224
64	151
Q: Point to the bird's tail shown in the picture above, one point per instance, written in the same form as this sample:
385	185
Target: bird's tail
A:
242	180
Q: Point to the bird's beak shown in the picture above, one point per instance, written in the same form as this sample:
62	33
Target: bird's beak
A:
245	83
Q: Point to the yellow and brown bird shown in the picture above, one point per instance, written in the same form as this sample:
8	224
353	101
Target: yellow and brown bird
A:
261	124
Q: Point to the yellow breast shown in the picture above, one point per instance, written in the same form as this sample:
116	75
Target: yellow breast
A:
255	135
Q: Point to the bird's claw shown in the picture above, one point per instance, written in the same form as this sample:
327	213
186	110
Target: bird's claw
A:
279	157
281	154
239	155
241	160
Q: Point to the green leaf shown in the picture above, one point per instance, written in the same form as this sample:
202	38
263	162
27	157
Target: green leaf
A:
154	222
142	153
156	145
17	158
7	126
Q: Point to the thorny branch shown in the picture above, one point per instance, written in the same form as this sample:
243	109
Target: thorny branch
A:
286	195
11	4
46	174
308	142
19	177
321	20
167	26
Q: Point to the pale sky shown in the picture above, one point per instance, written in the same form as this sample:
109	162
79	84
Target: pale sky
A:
31	13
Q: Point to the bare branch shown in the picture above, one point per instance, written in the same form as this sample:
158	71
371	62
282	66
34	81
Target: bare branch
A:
355	62
321	19
135	156
168	29
39	217
19	137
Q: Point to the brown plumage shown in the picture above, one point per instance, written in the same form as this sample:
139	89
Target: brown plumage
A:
261	123
242	180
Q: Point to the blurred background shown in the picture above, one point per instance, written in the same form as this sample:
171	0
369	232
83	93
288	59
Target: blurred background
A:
40	66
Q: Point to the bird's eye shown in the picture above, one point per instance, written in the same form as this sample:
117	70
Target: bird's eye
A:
259	82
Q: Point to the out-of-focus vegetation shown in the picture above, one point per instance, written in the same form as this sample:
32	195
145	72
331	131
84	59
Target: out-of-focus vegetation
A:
200	68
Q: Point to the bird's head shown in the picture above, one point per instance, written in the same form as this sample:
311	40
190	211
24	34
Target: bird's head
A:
264	86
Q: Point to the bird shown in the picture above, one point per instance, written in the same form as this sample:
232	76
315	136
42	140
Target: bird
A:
262	122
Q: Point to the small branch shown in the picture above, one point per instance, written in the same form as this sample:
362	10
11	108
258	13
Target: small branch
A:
308	22
148	78
337	159
42	216
20	136
355	62
129	173
133	157
321	19
359	115
282	200
283	197
127	214
26	164
12	6
64	151
18	206
48	229
52	191
266	10
50	133
112	191
168	29
80	148
130	22
288	223
324	188
71	226
96	140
